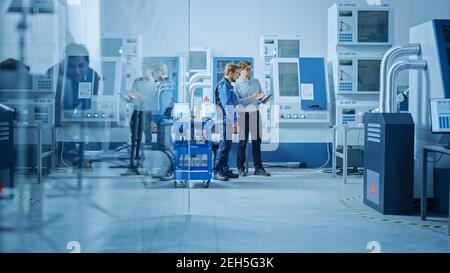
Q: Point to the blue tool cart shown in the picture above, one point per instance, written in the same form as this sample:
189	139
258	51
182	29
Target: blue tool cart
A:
193	154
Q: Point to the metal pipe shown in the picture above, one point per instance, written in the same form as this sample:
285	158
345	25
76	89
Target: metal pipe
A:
392	80
388	59
199	76
194	86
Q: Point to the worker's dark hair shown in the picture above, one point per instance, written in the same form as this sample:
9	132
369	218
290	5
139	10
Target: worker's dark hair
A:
231	68
244	64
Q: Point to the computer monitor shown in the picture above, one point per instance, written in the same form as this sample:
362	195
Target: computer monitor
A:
440	116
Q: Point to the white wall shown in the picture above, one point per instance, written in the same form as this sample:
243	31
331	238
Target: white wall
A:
163	24
219	23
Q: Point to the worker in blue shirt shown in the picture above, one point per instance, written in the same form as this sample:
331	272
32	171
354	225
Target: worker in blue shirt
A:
226	102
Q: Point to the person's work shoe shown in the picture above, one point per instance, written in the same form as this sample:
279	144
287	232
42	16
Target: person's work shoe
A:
168	177
220	177
130	171
231	174
242	172
261	171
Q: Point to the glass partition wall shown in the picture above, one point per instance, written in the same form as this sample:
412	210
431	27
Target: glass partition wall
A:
92	87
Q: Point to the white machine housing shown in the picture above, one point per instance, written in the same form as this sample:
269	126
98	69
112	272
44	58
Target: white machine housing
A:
433	83
128	46
277	46
346	22
289	105
351	65
347	111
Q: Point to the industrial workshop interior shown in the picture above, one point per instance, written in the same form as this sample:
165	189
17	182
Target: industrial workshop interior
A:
224	126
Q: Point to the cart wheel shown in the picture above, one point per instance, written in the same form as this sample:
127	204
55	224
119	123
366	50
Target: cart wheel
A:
177	184
206	184
184	184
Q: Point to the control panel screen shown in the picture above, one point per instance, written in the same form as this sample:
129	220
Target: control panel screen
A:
198	60
345	62
440	115
41	110
447	34
289	79
288	49
369	75
345	13
373	26
348	111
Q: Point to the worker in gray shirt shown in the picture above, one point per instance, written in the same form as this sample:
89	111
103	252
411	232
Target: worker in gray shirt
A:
144	95
249	93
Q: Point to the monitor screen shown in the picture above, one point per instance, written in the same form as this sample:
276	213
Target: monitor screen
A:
369	75
289	79
109	77
198	60
440	115
373	26
288	49
447	34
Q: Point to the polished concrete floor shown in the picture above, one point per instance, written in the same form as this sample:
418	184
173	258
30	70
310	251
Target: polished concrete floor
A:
292	211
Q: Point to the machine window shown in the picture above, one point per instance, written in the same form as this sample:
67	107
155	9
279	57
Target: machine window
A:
373	26
289	79
288	49
198	60
369	75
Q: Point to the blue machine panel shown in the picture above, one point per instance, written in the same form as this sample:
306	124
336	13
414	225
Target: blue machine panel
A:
219	64
442	28
312	71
